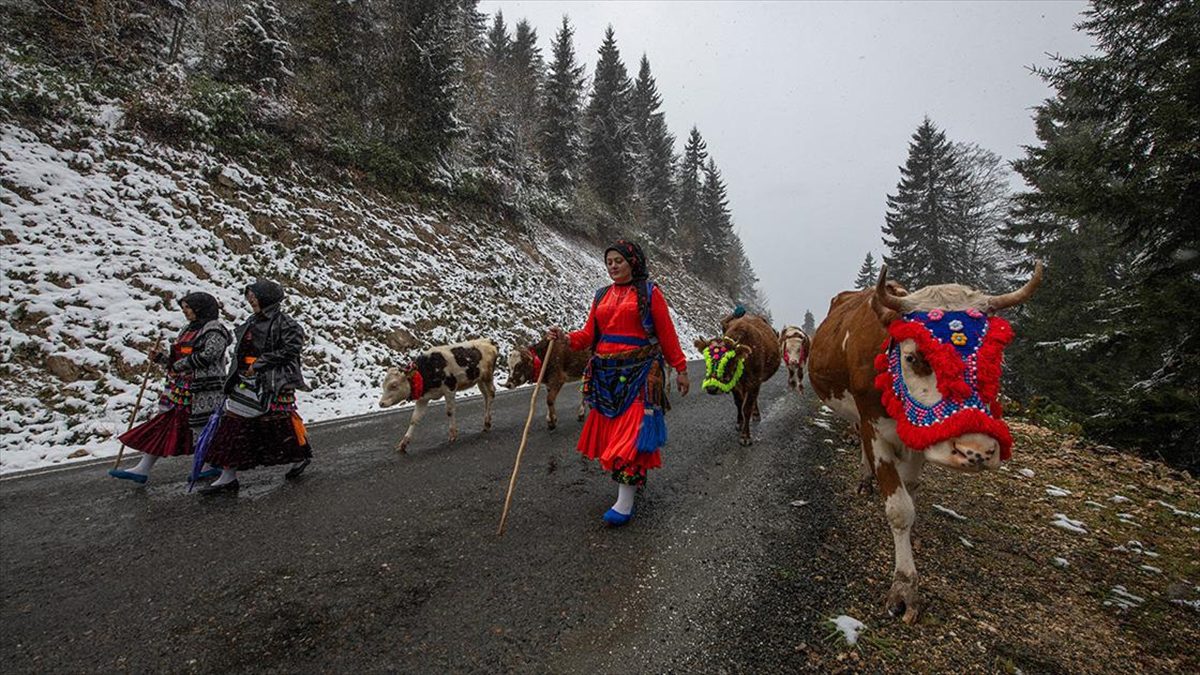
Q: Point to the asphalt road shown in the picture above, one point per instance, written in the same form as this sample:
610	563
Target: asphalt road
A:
375	561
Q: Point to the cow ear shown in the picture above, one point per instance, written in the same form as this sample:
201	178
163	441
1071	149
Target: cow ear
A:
744	350
701	345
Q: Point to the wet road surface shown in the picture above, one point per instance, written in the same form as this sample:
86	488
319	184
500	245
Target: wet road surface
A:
375	561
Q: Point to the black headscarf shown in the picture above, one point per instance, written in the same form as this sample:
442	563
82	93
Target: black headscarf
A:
634	256
268	293
204	306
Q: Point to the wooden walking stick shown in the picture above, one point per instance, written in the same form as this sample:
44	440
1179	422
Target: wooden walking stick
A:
138	404
512	482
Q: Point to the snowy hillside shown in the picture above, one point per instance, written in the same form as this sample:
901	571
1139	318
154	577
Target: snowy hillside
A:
102	229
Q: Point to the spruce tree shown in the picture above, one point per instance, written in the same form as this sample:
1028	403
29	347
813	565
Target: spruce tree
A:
655	153
610	139
687	193
924	217
868	274
810	324
430	75
257	53
712	249
561	114
1111	338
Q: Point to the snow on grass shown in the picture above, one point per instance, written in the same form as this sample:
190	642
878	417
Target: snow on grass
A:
1028	473
1177	511
850	628
1061	520
1055	491
1150	568
798	503
103	231
950	512
1094	505
1060	562
1119	499
1193	604
1122	599
966	542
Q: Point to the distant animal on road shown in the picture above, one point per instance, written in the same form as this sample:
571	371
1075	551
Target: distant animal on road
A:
564	366
793	347
739	362
439	373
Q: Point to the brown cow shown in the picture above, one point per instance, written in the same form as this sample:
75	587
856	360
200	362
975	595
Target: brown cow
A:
739	362
564	366
793	346
928	393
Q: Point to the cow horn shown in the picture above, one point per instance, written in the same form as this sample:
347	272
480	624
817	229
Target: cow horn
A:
881	292
996	303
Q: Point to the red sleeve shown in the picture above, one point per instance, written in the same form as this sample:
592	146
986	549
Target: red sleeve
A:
586	336
665	330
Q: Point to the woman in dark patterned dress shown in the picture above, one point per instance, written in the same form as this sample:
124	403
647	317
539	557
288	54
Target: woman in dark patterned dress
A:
260	426
195	375
634	339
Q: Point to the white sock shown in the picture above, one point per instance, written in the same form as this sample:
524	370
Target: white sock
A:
227	476
143	467
625	495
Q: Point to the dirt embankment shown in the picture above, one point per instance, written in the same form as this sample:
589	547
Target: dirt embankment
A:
1072	558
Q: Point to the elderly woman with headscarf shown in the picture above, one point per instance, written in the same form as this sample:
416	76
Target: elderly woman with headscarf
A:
195	365
630	330
260	426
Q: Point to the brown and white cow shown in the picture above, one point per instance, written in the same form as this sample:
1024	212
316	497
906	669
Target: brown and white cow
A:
439	373
793	347
564	366
738	362
919	375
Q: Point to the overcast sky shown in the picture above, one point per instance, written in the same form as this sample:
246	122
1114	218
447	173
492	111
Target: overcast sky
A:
808	108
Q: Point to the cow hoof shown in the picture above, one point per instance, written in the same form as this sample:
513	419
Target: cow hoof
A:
866	486
402	447
453	436
904	601
745	441
550	425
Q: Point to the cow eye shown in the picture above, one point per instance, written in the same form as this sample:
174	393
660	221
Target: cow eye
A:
910	359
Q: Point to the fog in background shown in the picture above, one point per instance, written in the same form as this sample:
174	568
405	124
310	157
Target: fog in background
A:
807	108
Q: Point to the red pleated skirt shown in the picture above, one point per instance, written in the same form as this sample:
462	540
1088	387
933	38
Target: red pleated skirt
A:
167	434
278	437
613	440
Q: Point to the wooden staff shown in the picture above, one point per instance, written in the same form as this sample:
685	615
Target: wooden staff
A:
512	482
138	404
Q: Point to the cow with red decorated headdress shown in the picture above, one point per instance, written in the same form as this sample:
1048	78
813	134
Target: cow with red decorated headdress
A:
919	375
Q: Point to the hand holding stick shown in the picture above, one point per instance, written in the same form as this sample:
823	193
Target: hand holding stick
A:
512	482
138	404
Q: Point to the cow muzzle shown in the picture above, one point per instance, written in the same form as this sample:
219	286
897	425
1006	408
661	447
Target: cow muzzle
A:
975	452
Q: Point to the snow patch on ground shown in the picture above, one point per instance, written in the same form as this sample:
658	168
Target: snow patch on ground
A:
1061	520
1055	491
850	628
950	512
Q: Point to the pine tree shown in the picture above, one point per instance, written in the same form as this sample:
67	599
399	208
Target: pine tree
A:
257	52
430	73
687	192
656	153
609	129
1111	338
922	230
716	241
561	114
810	324
868	274
986	206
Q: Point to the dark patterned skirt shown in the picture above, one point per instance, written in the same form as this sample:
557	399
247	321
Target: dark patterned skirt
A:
167	434
277	437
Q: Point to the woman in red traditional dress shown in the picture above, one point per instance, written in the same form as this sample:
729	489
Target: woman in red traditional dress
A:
630	329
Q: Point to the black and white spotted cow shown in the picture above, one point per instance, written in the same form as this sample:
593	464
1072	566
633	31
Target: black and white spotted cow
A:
439	373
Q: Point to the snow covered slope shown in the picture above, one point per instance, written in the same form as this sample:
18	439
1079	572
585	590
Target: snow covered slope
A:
102	228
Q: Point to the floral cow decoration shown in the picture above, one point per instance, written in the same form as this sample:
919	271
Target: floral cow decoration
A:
965	351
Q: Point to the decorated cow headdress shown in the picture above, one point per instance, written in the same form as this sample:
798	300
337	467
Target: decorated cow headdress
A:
965	350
